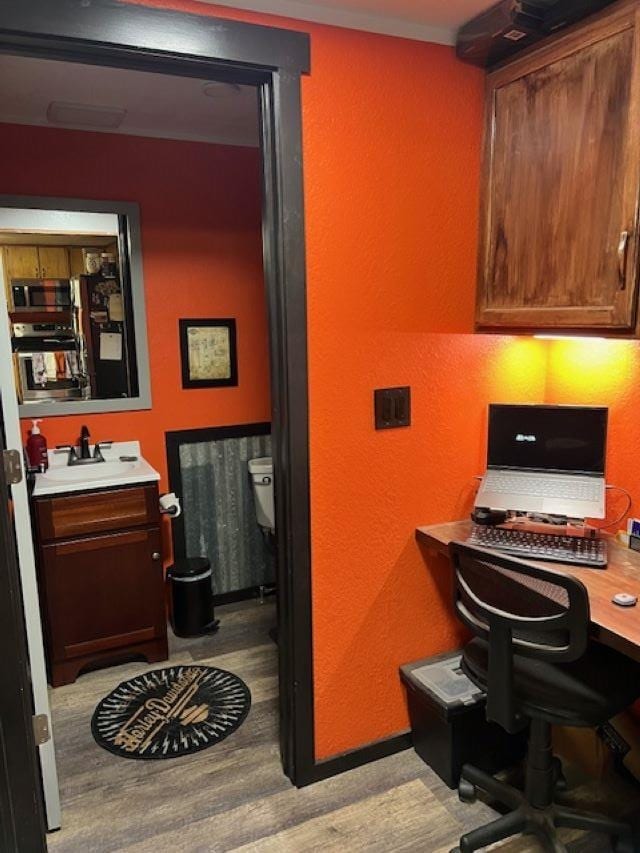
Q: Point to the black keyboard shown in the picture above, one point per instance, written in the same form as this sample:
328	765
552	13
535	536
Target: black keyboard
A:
541	546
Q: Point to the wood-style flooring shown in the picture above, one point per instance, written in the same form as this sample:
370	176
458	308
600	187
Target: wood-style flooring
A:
234	796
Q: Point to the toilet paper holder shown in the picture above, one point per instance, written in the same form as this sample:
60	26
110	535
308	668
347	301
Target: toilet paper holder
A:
170	505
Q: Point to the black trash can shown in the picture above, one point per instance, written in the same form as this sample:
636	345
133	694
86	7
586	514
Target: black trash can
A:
191	597
448	723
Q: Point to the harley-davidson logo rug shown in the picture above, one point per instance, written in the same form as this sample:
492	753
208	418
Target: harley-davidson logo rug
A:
171	712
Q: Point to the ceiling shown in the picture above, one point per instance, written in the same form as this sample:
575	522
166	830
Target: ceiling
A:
425	20
156	105
182	108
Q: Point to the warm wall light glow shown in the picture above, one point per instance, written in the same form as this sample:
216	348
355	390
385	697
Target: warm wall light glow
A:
591	370
567	338
519	370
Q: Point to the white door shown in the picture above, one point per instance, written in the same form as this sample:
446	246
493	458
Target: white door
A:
26	560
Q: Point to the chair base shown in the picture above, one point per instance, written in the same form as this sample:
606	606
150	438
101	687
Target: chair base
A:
523	817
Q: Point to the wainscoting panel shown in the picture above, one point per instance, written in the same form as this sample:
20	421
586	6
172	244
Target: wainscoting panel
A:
218	513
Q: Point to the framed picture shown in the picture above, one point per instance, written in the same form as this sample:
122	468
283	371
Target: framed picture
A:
208	352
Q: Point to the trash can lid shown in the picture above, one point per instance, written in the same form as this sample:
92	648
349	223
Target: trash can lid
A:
441	682
188	567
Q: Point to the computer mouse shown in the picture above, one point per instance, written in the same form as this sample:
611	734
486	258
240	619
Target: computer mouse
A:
623	599
485	516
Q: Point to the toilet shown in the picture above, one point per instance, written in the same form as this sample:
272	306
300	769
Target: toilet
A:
261	471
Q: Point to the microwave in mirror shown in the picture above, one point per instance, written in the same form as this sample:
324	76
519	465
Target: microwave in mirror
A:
72	273
40	295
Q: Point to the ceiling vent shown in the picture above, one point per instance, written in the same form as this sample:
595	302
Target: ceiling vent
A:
216	89
85	115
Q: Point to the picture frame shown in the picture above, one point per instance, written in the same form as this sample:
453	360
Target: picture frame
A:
208	351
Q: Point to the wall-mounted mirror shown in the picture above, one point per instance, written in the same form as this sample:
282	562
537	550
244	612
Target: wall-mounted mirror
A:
74	293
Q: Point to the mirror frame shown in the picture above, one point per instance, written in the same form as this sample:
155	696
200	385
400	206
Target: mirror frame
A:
118	404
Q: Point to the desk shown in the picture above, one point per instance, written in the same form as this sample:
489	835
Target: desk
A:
618	627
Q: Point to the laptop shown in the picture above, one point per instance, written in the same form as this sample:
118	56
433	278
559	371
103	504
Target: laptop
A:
546	459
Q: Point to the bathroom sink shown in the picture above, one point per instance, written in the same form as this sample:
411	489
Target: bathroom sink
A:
61	478
96	471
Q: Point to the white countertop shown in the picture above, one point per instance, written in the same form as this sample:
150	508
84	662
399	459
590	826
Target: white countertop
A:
62	478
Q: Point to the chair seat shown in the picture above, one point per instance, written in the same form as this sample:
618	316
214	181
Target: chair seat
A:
587	692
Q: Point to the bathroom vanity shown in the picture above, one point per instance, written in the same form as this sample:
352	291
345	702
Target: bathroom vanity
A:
99	557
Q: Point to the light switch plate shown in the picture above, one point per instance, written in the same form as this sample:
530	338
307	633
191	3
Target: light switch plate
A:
392	407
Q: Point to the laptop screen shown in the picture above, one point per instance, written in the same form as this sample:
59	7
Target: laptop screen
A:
568	439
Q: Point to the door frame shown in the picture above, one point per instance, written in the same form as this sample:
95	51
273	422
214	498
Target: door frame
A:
21	811
112	33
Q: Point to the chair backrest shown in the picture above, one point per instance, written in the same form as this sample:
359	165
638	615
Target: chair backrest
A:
517	608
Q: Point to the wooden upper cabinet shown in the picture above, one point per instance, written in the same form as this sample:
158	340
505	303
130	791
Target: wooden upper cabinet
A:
36	262
76	261
559	229
54	262
21	262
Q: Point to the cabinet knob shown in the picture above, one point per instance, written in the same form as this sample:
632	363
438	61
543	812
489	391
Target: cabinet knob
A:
155	555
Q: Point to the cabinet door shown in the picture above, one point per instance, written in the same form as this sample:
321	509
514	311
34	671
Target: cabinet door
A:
102	593
21	262
76	261
559	235
54	262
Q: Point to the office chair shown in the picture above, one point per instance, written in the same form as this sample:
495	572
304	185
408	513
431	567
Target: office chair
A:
532	656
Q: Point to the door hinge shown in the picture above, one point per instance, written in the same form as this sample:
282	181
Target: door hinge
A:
41	728
12	466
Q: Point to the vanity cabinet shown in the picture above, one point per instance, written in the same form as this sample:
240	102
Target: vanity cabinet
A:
100	578
561	178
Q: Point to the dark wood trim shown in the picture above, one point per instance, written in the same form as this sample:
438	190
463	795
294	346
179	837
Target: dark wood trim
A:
356	758
107	25
175	438
284	264
21	815
108	32
174	441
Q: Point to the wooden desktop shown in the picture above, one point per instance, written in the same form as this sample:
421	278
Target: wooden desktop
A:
615	626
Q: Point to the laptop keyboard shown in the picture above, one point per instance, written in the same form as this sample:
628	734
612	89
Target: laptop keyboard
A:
543	487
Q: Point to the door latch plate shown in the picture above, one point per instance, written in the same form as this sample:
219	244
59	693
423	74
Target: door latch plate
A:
12	466
41	728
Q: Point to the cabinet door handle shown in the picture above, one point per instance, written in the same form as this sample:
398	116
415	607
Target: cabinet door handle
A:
155	555
623	246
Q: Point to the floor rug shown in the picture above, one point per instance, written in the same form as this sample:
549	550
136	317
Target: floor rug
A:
171	712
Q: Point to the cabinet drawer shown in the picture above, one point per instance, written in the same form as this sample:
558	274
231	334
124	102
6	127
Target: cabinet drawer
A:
97	512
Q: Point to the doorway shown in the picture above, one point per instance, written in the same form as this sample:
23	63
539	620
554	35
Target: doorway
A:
272	61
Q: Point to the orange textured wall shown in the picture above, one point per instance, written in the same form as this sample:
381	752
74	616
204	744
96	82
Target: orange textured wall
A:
604	373
200	212
391	135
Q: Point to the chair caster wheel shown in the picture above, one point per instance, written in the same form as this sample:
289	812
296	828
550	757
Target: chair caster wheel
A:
454	850
467	792
559	779
624	845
